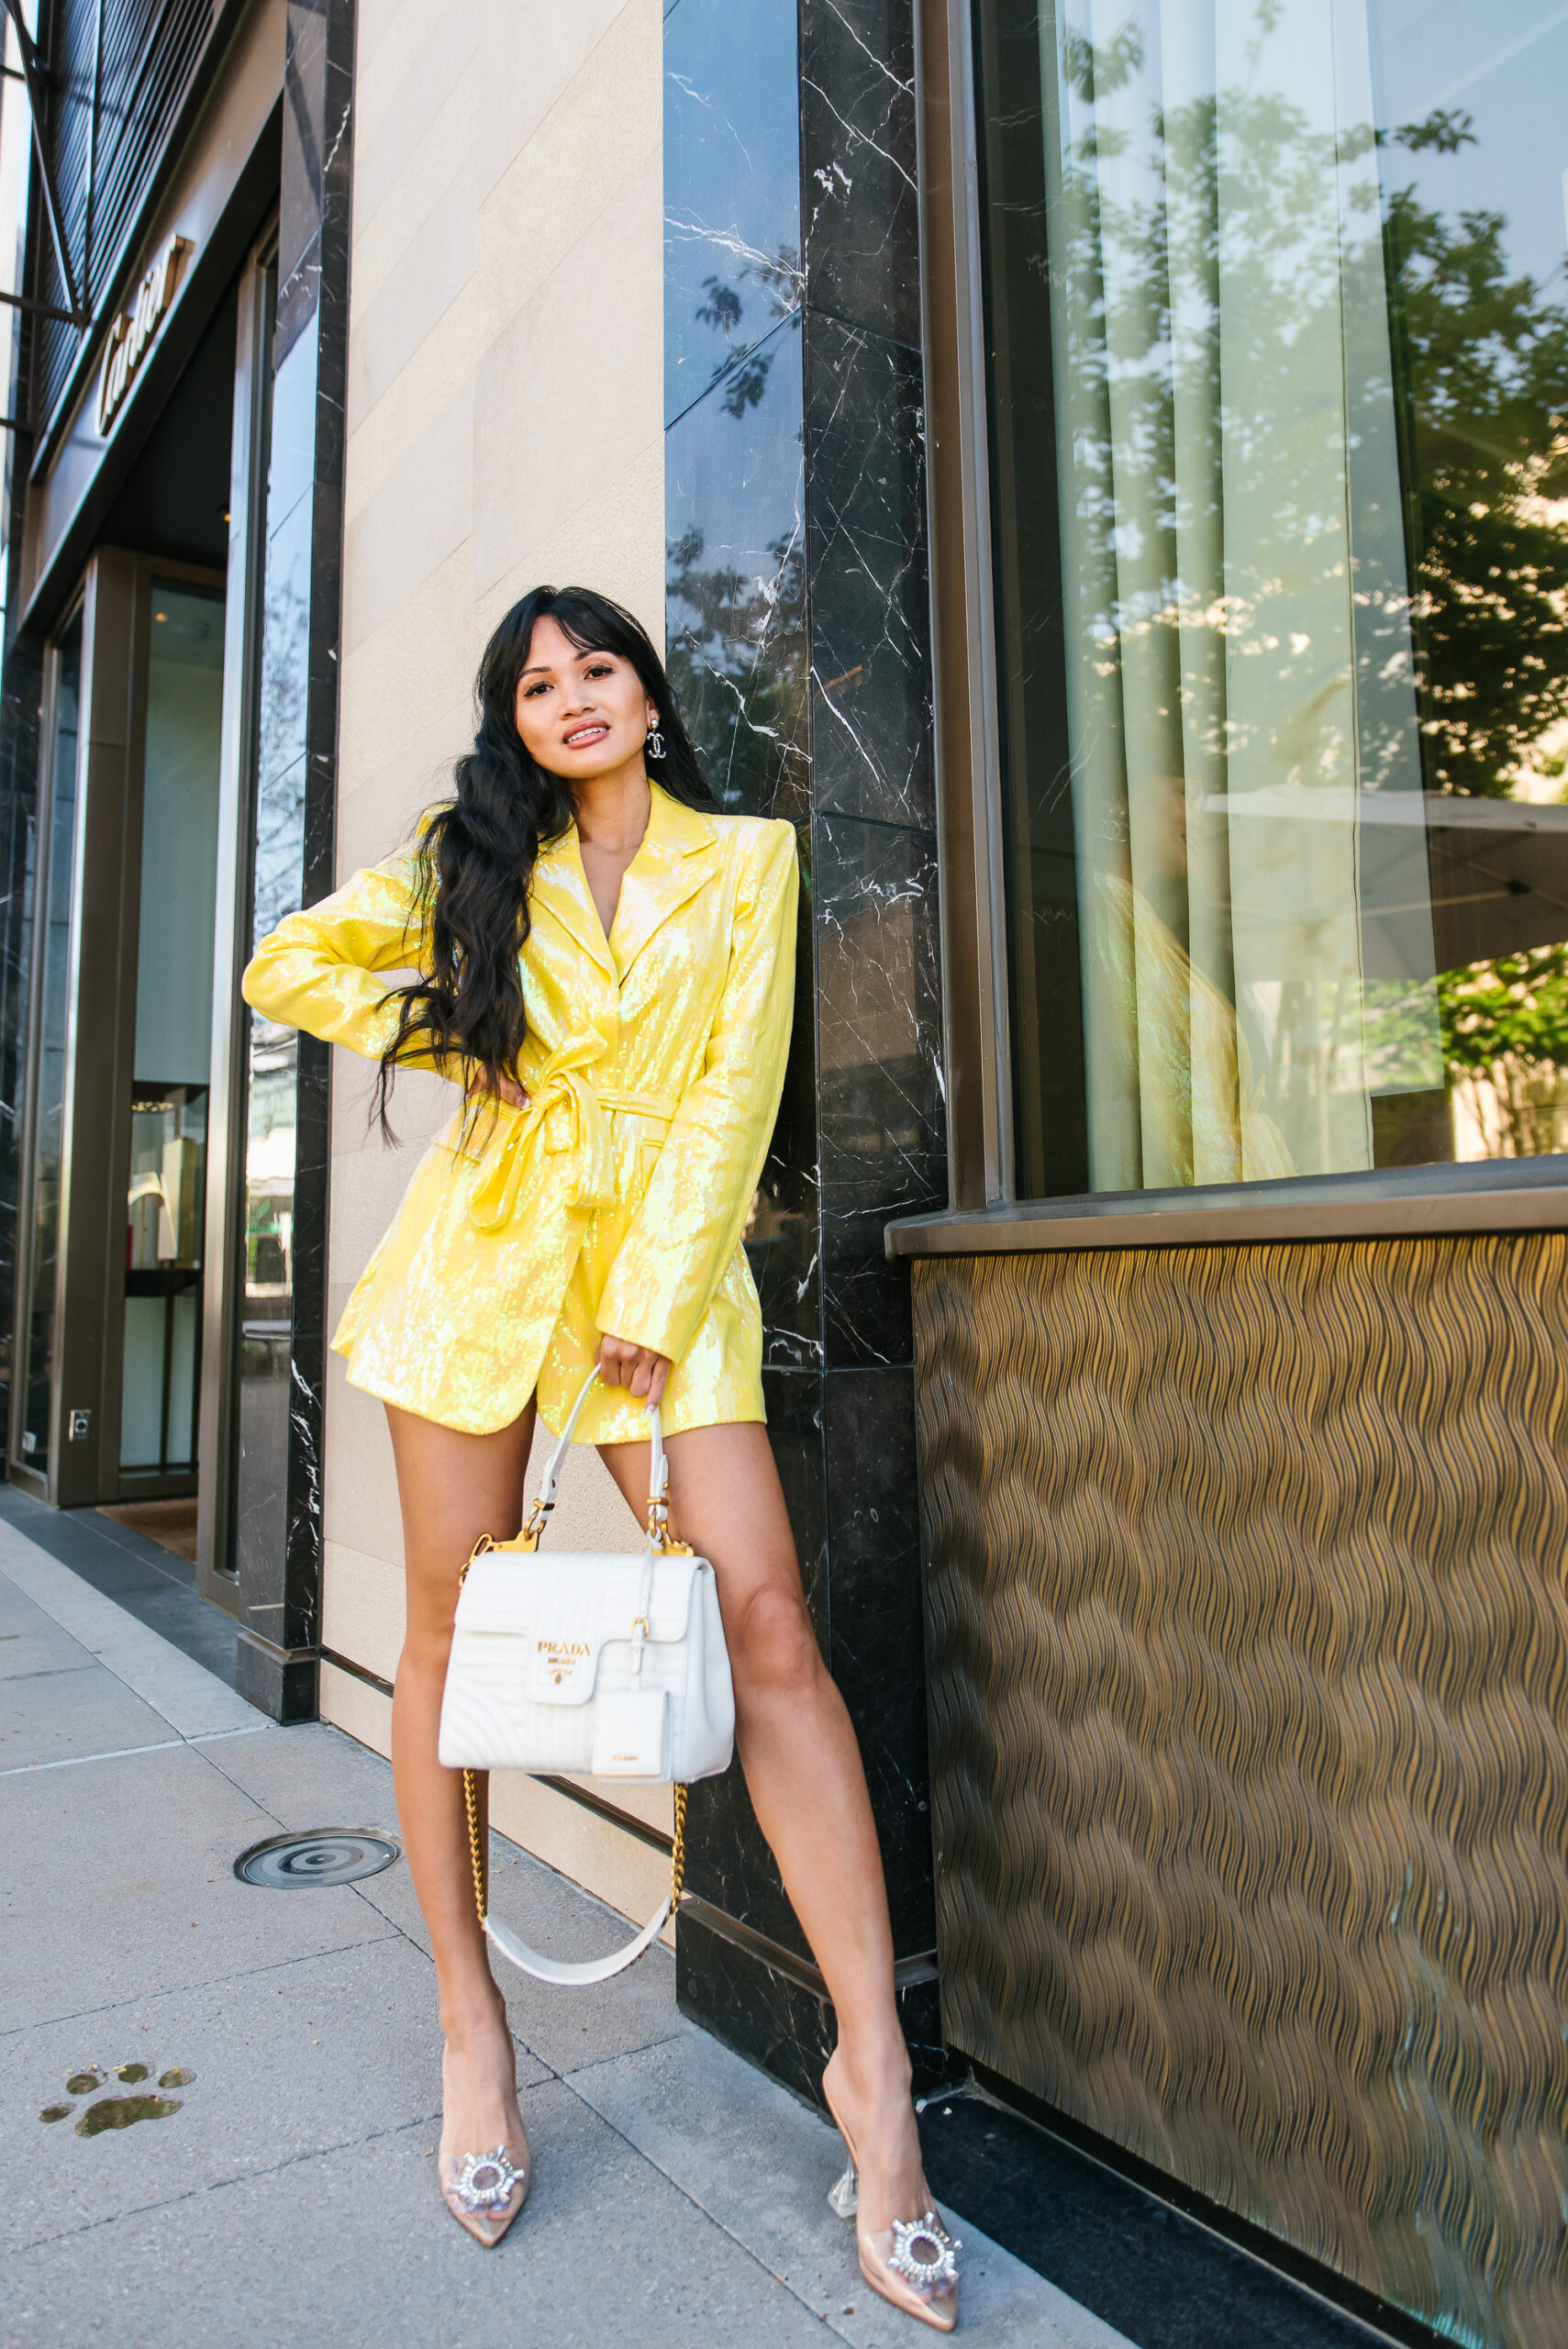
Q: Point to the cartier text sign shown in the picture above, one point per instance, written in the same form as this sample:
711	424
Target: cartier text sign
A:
135	328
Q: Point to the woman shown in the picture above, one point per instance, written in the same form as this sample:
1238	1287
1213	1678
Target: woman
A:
607	967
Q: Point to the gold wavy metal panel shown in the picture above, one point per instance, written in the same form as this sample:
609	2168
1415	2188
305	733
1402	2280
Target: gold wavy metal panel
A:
1248	1636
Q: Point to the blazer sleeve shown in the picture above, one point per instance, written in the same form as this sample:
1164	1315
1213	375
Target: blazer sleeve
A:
320	970
689	1220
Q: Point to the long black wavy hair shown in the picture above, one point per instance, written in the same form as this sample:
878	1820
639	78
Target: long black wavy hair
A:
476	856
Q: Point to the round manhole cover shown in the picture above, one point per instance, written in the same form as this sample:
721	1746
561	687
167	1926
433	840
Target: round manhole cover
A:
330	1856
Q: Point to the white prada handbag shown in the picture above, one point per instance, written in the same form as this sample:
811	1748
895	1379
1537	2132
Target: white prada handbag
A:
608	1663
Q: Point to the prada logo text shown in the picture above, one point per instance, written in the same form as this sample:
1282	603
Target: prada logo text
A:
562	1657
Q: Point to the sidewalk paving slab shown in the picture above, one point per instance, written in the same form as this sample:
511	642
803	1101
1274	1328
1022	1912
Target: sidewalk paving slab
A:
42	1719
286	2061
152	1584
762	2165
192	1700
128	1890
61	1712
353	2248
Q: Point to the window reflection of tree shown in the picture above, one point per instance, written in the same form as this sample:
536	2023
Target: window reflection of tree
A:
737	664
1206	253
744	368
1480	357
279	874
1484	355
1482	361
280	797
736	658
736	648
1505	1045
1484	358
1149	516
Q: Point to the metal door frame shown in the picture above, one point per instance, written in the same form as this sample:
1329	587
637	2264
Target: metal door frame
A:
19	1470
223	1279
115	603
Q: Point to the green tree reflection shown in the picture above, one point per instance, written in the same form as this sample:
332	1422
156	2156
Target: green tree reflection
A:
735	657
1481	367
1484	358
1505	1044
736	649
1229	198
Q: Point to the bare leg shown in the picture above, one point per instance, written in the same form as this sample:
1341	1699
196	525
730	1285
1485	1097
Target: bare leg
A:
806	1783
452	1489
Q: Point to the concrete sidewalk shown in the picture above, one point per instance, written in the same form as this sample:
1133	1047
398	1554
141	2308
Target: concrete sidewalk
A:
679	2196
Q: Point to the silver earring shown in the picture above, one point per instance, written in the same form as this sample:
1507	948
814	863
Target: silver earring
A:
654	746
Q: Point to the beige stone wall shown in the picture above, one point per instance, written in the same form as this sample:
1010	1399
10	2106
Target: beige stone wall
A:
505	426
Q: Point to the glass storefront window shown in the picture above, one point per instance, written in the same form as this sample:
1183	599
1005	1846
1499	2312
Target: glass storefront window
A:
1278	348
735	504
52	998
166	1190
735	497
272	1098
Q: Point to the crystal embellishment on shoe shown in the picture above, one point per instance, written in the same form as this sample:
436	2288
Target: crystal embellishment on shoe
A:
938	2270
483	2184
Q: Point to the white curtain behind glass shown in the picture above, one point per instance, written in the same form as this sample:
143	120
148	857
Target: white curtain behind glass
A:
1236	607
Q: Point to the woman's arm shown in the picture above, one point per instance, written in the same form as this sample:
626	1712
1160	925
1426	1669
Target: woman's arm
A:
690	1218
319	969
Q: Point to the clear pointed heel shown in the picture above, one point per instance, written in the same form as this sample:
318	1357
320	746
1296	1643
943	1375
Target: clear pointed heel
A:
913	2264
484	2192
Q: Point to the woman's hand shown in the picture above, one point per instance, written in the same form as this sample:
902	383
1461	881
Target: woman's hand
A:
622	1364
502	1090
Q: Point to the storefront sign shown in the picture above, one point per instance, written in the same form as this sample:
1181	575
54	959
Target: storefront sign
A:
135	328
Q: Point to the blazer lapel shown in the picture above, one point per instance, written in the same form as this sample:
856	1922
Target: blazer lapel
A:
561	887
680	851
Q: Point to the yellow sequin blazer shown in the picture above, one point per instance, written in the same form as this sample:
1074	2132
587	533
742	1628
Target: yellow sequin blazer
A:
615	1200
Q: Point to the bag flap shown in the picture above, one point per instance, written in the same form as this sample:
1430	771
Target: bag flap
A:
563	1608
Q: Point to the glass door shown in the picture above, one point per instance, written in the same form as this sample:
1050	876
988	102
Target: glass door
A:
166	1184
110	1300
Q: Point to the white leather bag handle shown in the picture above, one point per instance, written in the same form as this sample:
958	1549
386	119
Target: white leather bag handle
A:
658	1475
564	1971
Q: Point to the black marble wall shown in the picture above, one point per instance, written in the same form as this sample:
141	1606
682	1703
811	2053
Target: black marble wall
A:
280	1578
798	623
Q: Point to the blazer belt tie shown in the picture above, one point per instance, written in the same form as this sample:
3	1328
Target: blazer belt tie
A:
583	1133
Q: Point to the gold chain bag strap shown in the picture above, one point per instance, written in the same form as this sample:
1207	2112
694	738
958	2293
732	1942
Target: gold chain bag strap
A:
611	1660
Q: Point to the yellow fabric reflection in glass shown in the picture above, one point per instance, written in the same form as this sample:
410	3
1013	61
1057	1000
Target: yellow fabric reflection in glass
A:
1196	1078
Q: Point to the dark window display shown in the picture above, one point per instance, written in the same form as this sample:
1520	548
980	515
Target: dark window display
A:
165	1203
1278	343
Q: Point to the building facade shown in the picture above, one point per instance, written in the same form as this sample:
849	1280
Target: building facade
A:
166	744
1099	473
